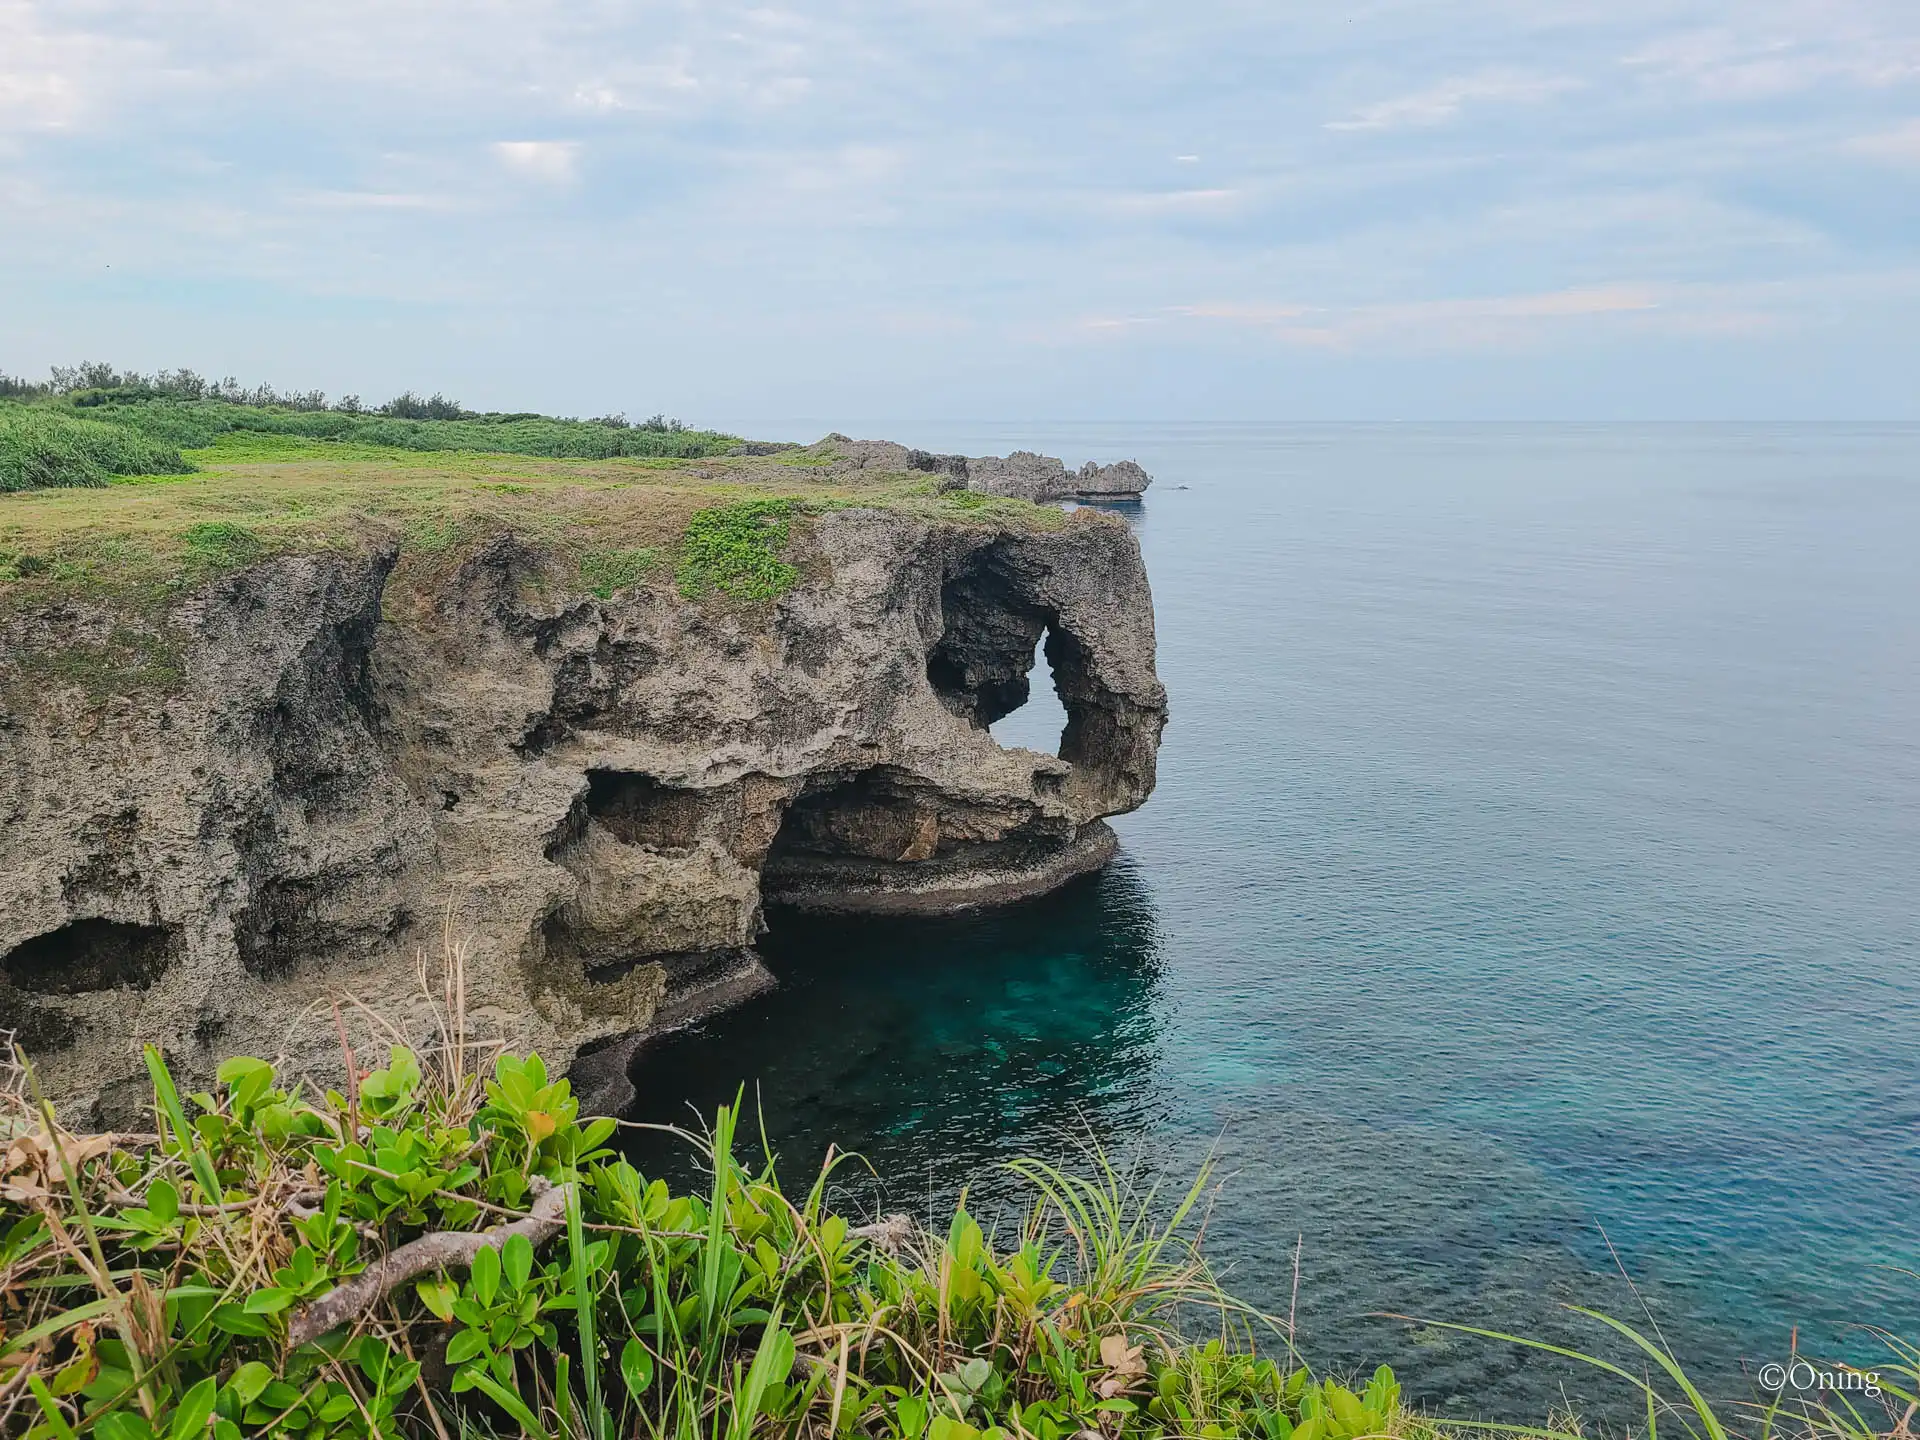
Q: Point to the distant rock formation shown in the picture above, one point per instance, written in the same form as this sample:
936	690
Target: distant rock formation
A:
1023	475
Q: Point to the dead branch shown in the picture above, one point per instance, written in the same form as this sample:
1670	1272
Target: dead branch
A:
440	1250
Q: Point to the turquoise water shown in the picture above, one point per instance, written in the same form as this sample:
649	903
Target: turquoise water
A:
1531	881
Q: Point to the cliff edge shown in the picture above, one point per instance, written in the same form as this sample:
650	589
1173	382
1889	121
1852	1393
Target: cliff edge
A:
252	792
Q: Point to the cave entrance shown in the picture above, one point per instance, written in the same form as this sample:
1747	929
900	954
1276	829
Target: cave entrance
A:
869	815
88	955
1039	722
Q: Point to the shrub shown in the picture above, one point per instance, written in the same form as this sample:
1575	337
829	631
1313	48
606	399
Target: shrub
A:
195	424
409	406
40	447
735	549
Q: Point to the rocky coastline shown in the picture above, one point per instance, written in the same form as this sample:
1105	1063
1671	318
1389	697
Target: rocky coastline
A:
597	794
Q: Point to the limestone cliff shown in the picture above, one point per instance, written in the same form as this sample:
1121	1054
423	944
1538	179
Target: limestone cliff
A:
597	795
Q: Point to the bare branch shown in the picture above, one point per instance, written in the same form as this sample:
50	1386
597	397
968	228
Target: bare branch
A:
440	1250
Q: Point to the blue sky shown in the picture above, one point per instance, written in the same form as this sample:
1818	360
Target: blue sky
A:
968	209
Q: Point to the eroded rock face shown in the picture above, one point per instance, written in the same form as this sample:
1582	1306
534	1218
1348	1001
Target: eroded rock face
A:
597	797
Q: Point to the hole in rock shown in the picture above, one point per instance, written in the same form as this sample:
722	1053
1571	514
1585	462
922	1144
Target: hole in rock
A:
638	810
994	635
89	955
989	631
1041	721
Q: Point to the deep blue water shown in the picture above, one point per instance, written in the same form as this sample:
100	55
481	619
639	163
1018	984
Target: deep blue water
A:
1536	854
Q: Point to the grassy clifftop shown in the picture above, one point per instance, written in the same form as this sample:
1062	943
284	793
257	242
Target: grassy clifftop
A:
703	522
84	437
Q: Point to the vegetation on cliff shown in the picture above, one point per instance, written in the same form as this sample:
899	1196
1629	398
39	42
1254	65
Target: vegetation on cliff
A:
41	448
134	489
446	1248
91	421
725	528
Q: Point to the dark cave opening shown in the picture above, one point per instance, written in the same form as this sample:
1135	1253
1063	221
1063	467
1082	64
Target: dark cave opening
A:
87	955
867	815
637	809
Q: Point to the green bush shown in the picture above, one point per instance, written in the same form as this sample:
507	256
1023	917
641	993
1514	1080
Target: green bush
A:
196	424
735	549
281	1263
45	448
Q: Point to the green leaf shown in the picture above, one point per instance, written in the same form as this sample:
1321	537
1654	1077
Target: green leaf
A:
437	1294
163	1201
596	1133
249	1381
183	1135
516	1258
466	1345
50	1408
235	1321
275	1122
270	1301
509	1402
232	1072
636	1367
196	1407
122	1425
338	1408
485	1277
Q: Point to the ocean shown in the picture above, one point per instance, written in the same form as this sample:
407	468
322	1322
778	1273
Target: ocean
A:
1528	913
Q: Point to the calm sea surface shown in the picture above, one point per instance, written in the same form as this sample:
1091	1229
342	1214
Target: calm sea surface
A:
1533	880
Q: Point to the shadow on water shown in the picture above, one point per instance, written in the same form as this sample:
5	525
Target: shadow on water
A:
935	1046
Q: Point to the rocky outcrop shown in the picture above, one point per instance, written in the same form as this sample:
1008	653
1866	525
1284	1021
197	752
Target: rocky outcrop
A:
596	797
1023	475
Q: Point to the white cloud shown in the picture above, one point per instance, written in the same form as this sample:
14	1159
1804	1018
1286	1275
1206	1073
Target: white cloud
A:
1439	104
1474	322
1173	202
1899	146
552	162
809	169
52	76
1742	66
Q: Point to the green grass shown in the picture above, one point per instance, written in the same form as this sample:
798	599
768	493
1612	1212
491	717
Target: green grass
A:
45	448
221	545
716	527
49	443
605	571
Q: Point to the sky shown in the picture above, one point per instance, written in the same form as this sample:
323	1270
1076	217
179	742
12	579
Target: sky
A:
912	210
